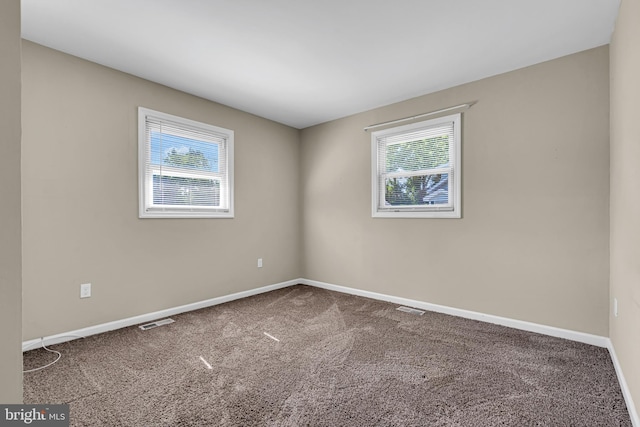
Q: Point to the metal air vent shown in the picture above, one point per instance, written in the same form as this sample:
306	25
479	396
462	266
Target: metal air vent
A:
156	324
410	310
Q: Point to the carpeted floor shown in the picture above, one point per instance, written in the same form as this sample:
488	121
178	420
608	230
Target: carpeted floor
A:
303	356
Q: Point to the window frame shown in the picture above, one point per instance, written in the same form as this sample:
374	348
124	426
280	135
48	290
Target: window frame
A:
146	208
454	170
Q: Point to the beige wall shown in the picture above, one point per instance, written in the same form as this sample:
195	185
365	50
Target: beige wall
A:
10	223
625	192
533	242
80	201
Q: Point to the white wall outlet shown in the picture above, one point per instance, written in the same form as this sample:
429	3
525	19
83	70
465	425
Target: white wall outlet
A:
259	262
615	307
85	290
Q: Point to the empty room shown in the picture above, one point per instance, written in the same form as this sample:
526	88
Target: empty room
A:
332	213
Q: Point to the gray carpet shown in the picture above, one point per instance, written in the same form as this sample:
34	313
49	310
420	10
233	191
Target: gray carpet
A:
341	360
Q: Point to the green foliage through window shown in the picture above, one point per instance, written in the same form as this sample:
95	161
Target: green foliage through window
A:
191	159
415	156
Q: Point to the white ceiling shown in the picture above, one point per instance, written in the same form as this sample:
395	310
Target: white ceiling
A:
303	62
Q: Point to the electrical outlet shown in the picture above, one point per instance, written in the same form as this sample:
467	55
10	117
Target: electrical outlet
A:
85	290
259	262
615	307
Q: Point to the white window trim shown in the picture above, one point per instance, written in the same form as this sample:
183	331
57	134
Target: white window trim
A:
455	177
145	179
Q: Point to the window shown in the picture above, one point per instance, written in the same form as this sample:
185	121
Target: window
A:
185	167
416	170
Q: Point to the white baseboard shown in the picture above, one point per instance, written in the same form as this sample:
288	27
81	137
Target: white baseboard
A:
512	323
596	340
489	318
582	337
633	413
130	321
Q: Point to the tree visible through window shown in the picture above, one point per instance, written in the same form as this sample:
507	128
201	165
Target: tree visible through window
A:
416	169
186	155
175	190
425	154
187	167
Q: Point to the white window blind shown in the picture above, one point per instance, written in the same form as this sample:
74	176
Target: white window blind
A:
186	167
416	169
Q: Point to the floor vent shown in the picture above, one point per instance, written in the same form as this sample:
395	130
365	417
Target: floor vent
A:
410	310
156	324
